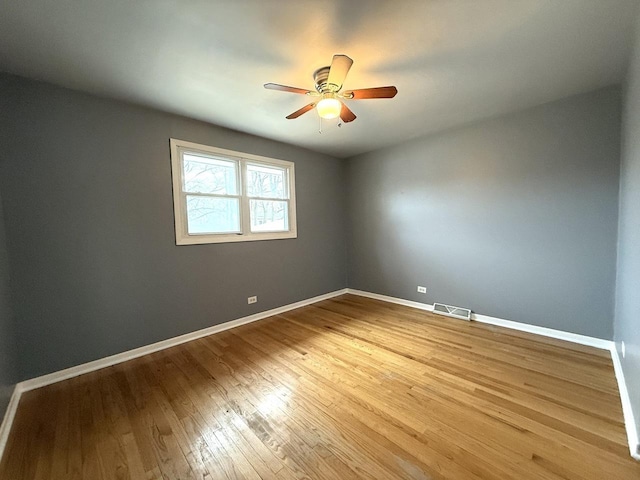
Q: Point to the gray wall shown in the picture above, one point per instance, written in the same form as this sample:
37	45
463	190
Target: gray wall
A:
89	219
514	217
8	353
627	318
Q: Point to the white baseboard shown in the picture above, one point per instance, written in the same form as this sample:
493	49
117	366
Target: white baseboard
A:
523	327
385	298
627	411
545	332
630	426
9	415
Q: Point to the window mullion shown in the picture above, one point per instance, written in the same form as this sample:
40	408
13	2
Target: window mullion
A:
245	214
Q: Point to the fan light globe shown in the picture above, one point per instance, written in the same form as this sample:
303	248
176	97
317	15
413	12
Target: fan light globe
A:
329	107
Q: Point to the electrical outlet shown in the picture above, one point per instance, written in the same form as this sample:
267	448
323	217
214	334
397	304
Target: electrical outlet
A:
422	289
624	349
251	300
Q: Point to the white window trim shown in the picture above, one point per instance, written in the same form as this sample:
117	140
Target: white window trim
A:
179	204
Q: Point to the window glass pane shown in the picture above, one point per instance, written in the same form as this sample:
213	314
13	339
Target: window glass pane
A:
213	215
209	175
263	181
269	216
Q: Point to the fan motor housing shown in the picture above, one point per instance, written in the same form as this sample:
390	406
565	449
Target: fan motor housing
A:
320	77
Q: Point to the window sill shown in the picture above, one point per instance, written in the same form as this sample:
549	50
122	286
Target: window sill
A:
233	238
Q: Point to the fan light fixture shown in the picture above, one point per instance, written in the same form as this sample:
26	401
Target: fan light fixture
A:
329	107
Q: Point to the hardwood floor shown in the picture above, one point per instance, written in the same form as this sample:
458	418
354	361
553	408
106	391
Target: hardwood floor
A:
346	388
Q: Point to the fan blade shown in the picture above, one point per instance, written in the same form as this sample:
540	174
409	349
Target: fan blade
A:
377	92
304	109
340	66
284	88
346	115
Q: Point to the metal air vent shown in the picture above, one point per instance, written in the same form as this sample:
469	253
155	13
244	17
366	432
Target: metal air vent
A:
451	311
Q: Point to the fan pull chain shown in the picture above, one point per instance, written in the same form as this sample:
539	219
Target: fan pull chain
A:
320	124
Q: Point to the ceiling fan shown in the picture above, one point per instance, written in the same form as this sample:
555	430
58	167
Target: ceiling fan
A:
328	101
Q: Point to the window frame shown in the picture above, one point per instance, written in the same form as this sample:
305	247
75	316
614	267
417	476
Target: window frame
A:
179	147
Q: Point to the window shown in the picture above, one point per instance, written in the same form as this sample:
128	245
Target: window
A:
226	196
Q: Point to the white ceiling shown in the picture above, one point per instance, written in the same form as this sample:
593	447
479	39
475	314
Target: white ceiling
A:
453	61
